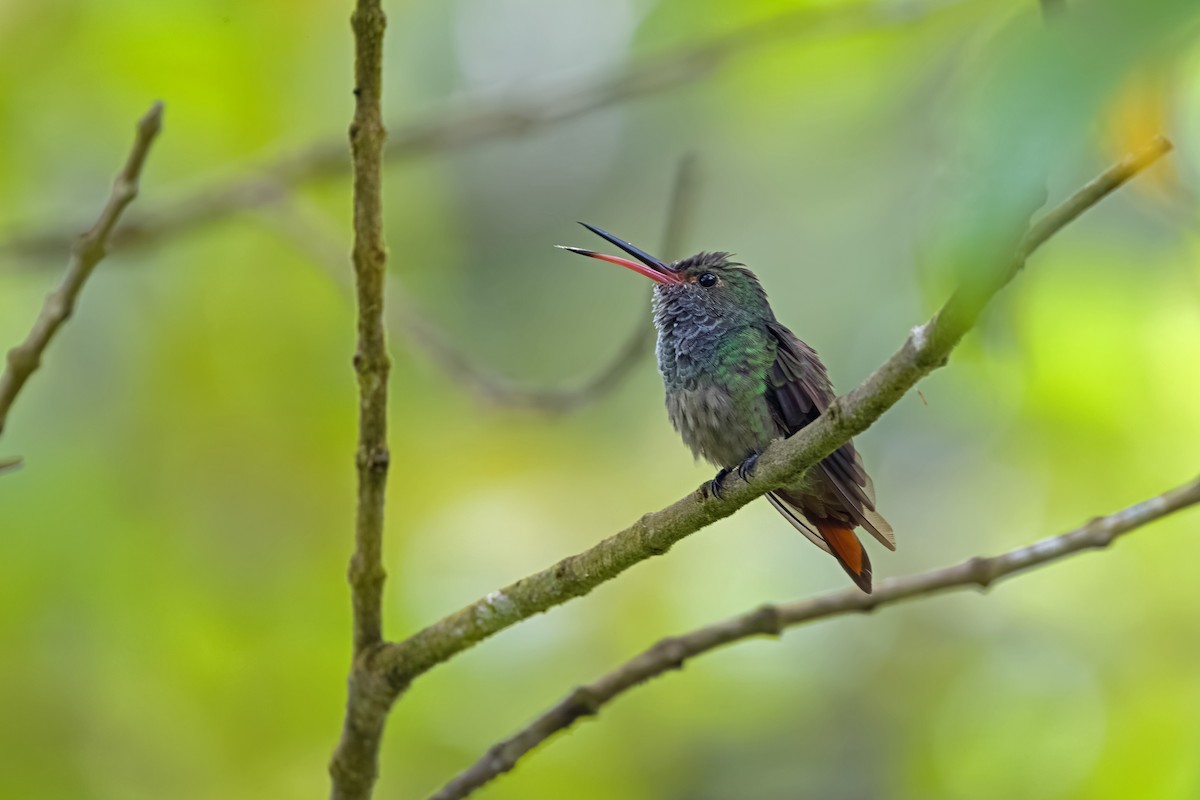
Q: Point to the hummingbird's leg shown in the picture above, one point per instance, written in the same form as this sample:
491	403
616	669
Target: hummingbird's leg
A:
714	486
746	468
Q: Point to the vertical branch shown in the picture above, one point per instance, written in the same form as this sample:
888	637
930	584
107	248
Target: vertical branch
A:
371	362
355	762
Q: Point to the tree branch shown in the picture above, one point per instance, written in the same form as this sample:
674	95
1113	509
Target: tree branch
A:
87	251
355	762
481	122
371	363
771	620
927	348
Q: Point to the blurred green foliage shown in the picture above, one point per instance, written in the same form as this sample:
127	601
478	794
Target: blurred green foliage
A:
173	614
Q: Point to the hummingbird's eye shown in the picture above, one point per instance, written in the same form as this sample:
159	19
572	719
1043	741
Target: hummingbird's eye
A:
707	280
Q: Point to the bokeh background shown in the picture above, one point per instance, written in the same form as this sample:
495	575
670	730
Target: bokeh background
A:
174	620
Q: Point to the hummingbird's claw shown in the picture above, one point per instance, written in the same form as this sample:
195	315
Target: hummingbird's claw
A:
746	469
714	486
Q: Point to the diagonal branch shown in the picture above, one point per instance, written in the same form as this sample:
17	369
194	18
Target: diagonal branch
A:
771	620
927	348
355	762
86	253
483	122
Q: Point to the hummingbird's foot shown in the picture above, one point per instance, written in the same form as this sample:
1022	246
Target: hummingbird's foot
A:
746	469
714	486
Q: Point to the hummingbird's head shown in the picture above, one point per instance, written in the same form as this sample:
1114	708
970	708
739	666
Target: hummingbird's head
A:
706	285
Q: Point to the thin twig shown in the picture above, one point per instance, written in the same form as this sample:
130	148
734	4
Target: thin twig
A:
86	253
771	620
480	122
1095	190
927	348
355	762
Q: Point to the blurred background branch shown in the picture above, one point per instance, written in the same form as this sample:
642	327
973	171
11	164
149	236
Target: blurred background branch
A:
927	348
496	390
310	235
480	123
87	251
1052	7
771	620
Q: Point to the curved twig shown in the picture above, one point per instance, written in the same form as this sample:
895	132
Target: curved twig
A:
309	236
497	390
1052	8
771	620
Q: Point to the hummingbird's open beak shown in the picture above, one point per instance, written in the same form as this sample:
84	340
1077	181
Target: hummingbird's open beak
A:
650	266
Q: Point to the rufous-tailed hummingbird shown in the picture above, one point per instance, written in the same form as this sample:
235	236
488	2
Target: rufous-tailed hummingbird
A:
736	379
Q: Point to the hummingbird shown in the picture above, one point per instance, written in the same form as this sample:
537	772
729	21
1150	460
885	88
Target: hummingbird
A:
736	379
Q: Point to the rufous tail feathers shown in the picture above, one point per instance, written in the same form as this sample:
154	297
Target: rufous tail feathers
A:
848	551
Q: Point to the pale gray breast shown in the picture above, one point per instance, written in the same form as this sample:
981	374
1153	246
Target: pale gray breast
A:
708	422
